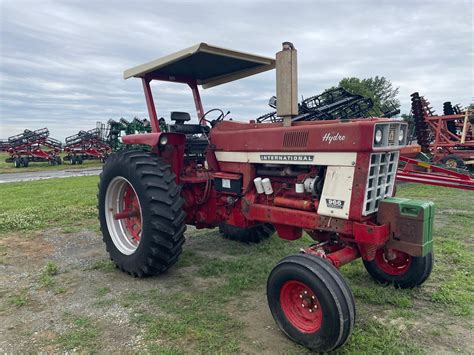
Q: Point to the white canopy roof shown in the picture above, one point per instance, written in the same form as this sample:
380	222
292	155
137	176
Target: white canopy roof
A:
208	65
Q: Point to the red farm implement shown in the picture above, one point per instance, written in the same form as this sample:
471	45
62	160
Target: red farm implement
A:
448	139
86	145
333	179
4	145
33	146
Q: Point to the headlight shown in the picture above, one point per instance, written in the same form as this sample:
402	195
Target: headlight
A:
163	140
378	136
401	135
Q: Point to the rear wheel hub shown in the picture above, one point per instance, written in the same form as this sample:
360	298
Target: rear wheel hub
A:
123	215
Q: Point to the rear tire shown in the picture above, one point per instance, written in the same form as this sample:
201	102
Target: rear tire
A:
17	162
58	160
403	271
25	162
151	241
254	234
73	160
311	302
79	160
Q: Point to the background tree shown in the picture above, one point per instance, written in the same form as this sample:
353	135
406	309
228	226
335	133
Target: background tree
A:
378	88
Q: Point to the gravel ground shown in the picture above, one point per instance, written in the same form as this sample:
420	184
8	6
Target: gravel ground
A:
47	174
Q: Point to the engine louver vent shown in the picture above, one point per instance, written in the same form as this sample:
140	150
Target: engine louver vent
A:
295	139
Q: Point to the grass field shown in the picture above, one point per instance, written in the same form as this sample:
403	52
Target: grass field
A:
214	299
40	166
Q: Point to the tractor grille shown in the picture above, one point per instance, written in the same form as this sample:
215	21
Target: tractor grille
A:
295	139
380	180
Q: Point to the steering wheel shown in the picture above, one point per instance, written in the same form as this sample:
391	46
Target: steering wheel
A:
219	118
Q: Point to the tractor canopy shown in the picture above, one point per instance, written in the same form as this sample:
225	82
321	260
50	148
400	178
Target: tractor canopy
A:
205	64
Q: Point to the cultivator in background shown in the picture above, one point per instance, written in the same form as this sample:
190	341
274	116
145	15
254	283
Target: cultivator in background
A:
117	129
86	145
332	104
4	145
33	146
447	139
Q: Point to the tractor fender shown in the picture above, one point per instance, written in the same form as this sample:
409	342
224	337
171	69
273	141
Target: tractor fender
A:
152	139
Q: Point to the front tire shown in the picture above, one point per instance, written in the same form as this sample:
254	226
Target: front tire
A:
311	302
254	234
399	269
147	238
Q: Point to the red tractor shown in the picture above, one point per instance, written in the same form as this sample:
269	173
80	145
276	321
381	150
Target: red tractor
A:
333	180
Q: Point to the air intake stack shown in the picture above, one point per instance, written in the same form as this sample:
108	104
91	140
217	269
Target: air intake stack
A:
287	83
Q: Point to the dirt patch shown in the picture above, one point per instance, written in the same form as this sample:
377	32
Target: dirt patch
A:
262	334
91	301
35	316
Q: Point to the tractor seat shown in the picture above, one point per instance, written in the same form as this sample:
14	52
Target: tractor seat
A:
180	117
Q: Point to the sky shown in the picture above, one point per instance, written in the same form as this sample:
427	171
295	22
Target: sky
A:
62	62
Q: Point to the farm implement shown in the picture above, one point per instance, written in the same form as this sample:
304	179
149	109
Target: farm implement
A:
447	139
86	145
292	173
33	146
336	103
118	129
4	145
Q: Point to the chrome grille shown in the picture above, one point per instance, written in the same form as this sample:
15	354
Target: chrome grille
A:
380	179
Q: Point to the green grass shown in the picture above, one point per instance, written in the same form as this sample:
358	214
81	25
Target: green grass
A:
19	299
42	204
47	275
82	334
41	166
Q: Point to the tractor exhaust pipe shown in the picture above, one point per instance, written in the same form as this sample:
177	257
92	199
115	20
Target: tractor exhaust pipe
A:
287	83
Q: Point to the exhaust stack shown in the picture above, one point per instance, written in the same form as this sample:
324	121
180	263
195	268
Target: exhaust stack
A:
287	83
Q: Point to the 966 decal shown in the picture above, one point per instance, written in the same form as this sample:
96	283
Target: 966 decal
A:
333	203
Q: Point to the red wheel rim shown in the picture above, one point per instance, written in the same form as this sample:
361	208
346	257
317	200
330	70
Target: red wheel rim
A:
301	306
133	223
392	262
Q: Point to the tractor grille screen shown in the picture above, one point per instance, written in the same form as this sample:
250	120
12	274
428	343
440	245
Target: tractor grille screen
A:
380	180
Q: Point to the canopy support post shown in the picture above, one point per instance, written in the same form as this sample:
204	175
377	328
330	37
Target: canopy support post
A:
150	104
197	99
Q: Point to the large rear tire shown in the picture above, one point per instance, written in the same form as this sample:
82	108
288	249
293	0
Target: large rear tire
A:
311	302
400	269
147	238
254	234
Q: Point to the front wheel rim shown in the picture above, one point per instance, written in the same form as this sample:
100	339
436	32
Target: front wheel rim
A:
123	215
452	163
393	262
301	307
